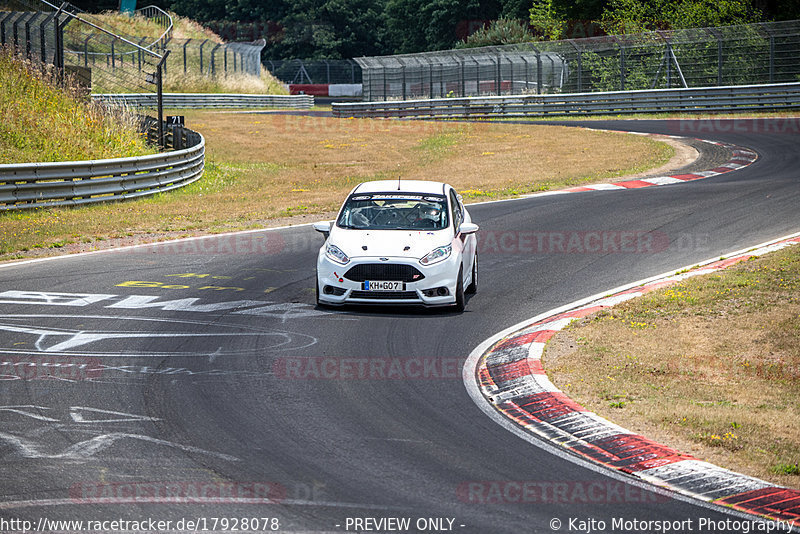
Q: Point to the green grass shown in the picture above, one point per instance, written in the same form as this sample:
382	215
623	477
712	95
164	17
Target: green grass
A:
43	121
710	366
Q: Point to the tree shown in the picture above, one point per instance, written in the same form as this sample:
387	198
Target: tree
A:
547	19
636	16
500	32
421	25
330	29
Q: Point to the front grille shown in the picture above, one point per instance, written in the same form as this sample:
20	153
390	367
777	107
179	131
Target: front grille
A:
393	295
384	271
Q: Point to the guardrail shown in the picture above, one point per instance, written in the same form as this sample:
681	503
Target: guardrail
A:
770	97
209	100
72	183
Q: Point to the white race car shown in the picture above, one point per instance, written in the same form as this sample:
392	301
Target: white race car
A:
399	242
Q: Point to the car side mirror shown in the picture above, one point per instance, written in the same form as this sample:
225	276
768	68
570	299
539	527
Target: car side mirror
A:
468	228
323	227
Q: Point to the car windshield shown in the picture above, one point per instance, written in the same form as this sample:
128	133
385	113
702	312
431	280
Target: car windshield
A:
394	211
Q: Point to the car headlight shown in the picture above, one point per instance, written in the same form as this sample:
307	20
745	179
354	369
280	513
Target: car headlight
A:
335	253
436	255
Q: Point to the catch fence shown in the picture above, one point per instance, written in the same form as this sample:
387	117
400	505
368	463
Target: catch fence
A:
108	52
317	71
699	57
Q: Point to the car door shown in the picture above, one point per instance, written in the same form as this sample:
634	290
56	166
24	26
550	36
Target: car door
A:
464	244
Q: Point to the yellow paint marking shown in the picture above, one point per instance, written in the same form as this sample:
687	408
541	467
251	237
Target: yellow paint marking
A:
223	288
143	283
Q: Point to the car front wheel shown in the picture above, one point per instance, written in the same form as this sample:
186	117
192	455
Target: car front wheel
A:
472	288
460	298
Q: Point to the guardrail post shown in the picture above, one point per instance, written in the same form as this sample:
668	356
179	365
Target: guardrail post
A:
527	78
184	54
28	49
669	65
16	32
477	76
403	76
463	76
213	67
58	35
3	28
201	55
580	65
43	40
771	58
160	98
139	53
86	52
719	53
511	74
497	75
430	80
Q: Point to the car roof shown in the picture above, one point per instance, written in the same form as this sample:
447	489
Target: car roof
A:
403	186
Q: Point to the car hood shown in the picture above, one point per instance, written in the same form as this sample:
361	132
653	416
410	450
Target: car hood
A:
388	243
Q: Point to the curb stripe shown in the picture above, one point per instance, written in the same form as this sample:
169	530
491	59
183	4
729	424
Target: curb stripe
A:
740	157
511	378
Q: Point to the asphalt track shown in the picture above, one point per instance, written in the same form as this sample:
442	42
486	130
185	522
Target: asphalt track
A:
177	408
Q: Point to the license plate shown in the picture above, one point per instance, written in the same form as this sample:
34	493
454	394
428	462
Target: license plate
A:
383	285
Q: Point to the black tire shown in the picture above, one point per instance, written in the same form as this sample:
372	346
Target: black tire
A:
316	289
472	288
461	300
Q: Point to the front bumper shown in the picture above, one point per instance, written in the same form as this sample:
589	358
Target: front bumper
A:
335	289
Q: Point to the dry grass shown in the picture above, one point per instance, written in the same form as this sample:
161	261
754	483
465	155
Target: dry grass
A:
263	167
482	160
44	120
192	82
138	26
126	77
710	366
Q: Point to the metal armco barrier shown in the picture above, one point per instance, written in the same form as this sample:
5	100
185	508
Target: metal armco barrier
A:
770	97
72	183
209	100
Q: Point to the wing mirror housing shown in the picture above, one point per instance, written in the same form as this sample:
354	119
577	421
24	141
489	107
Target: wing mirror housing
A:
468	228
323	227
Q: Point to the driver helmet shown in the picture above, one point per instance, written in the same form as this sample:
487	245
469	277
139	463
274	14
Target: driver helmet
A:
431	213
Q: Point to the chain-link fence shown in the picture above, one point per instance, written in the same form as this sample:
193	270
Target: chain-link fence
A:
66	38
702	57
330	71
34	29
194	58
210	58
109	59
